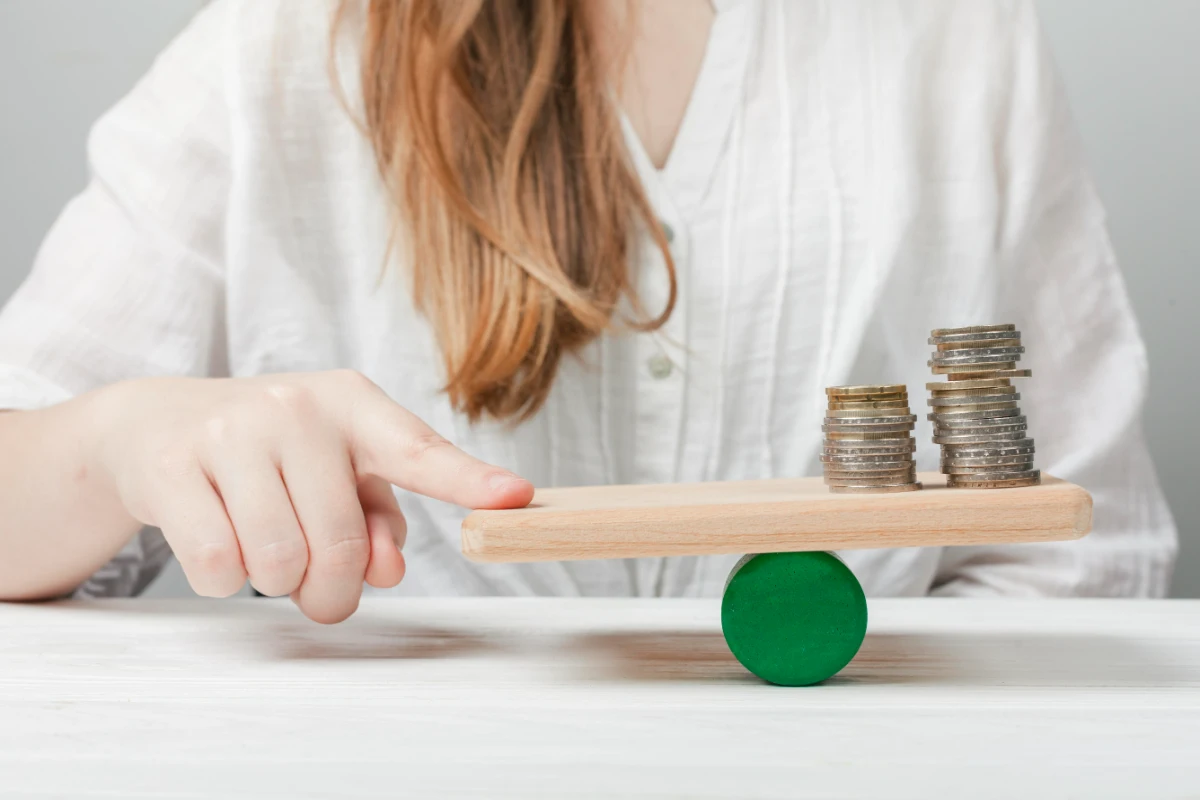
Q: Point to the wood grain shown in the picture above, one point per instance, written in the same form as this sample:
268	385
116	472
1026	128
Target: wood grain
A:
590	698
794	514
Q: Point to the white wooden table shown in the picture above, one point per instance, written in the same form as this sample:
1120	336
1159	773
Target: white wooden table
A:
593	698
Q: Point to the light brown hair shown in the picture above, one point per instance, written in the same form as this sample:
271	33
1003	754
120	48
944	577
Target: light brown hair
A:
495	132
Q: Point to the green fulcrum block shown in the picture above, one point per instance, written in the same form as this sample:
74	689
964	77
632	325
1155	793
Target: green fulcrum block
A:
793	619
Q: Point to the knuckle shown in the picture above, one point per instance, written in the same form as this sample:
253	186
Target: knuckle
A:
173	459
216	558
353	380
423	444
292	399
347	554
283	558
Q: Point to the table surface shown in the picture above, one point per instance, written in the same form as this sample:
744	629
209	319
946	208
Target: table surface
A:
593	698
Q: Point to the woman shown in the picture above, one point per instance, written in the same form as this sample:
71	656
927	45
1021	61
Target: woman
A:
585	246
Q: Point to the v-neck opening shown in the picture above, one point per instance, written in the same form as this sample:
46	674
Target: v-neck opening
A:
708	117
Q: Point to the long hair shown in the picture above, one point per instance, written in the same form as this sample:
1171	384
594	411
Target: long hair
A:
496	134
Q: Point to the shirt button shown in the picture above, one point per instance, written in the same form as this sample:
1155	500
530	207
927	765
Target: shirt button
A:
660	366
668	232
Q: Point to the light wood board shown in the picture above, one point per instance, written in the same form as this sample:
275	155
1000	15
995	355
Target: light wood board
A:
770	516
593	698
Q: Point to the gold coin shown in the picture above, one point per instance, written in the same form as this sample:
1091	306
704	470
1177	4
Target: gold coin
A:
971	330
1012	483
886	489
976	370
859	436
883	480
873	404
867	398
870	468
959	385
883	388
990	374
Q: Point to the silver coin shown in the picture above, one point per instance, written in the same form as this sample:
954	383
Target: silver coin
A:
976	370
999	474
973	400
1002	425
891	468
985	383
990	391
867	458
1015	447
976	353
870	419
977	362
943	417
990	461
885	489
980	438
1013	483
1006	431
974	424
870	388
869	429
1000	464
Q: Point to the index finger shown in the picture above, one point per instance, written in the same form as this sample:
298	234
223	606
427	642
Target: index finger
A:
392	443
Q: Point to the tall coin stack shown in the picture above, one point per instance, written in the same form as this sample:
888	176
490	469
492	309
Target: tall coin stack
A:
976	415
868	440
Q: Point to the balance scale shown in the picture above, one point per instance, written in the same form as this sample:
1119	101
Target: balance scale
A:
793	614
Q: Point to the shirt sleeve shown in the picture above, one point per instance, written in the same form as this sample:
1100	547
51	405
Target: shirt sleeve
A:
1059	279
129	282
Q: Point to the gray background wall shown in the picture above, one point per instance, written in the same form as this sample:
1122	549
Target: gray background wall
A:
1130	67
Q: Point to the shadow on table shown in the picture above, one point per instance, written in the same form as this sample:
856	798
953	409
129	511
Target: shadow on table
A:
658	656
1000	659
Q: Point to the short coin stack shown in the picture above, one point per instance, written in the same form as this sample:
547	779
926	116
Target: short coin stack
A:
976	414
868	440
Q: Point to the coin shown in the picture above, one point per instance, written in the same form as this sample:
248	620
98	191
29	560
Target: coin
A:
870	480
867	398
1003	392
971	331
942	417
842	431
1001	474
970	344
975	424
973	400
1014	483
861	436
1013	463
975	370
990	374
975	353
845	417
987	461
874	405
1015	448
881	460
885	489
979	438
870	468
834	447
986	383
884	388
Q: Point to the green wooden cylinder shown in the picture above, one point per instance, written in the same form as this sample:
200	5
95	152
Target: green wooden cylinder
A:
793	619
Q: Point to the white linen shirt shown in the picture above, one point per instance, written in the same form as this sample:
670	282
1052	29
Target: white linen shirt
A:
847	177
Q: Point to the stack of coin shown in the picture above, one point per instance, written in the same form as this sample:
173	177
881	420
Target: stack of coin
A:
976	415
868	440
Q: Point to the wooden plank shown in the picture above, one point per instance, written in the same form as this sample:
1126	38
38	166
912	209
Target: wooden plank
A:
791	514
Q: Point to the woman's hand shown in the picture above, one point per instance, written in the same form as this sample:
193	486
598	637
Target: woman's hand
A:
284	480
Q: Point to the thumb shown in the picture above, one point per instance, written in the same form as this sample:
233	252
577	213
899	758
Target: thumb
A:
386	530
